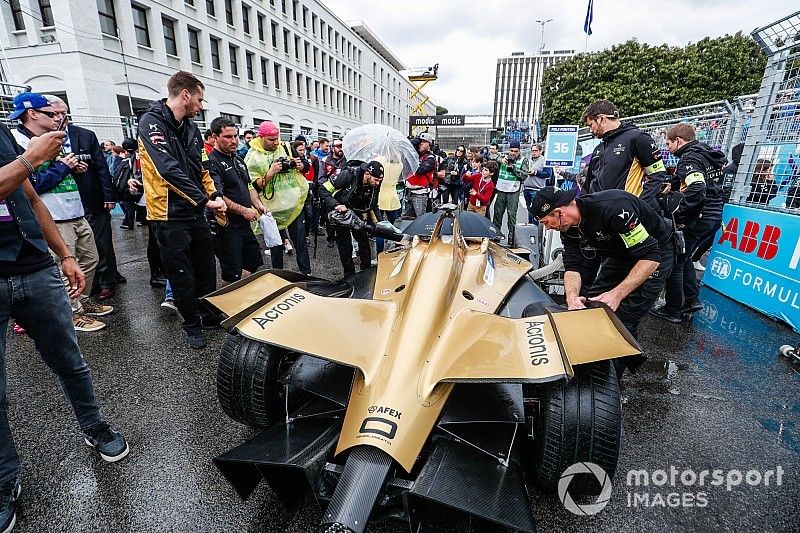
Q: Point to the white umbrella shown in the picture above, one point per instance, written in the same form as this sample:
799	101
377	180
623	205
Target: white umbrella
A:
372	142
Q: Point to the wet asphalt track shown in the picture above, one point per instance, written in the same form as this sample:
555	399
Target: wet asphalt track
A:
714	394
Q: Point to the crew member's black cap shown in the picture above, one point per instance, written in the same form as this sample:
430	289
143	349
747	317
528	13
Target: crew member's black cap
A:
548	198
375	169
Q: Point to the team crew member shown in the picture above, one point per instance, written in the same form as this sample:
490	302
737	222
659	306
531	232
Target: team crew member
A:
633	241
354	188
235	243
699	215
177	191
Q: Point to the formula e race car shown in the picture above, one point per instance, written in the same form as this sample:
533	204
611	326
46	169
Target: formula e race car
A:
444	382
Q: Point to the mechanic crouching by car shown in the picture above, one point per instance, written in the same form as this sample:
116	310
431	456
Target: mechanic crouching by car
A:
633	242
354	188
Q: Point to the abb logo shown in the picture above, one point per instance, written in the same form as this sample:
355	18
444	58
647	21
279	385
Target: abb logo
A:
749	240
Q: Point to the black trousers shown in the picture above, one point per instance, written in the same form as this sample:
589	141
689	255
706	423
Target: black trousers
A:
297	234
345	246
105	276
631	310
682	285
153	254
187	254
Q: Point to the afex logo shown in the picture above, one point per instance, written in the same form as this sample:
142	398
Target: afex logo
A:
749	240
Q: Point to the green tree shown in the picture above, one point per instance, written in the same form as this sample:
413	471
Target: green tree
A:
640	78
441	110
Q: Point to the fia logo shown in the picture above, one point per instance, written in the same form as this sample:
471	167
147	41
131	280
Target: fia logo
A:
721	268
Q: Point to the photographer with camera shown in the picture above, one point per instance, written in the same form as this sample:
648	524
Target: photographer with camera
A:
355	188
55	183
454	167
513	171
276	171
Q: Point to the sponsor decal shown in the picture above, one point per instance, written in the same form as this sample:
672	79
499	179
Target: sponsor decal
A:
381	409
382	427
277	310
483	302
488	274
624	214
384	292
619	149
513	257
537	347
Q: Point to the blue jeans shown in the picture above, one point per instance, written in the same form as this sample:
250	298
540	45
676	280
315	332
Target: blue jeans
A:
39	303
391	216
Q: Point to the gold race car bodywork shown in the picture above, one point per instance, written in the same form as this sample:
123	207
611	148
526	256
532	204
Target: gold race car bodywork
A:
430	324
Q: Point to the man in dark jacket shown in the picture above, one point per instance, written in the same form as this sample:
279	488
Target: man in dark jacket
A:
177	191
98	199
633	241
699	215
354	188
235	244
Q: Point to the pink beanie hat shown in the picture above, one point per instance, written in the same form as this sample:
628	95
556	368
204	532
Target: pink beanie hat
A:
267	129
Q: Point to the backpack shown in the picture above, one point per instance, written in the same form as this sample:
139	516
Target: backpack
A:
122	174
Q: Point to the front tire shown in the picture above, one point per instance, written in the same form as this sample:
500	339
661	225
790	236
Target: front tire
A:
247	381
577	421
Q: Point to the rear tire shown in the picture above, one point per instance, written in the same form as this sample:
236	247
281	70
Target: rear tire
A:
247	381
577	421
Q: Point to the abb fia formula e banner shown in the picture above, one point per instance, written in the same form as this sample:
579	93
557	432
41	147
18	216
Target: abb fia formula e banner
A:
756	261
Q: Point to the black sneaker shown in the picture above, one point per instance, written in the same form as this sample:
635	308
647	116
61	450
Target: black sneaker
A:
664	315
158	281
9	494
196	341
108	442
691	307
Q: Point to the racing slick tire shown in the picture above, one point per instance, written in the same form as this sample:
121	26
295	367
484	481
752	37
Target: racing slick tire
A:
247	382
579	420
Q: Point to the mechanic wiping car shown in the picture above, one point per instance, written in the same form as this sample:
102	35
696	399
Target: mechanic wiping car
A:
633	241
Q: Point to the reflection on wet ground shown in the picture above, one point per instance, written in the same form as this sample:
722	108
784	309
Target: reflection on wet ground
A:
714	394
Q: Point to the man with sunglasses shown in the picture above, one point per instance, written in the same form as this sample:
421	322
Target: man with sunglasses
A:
632	241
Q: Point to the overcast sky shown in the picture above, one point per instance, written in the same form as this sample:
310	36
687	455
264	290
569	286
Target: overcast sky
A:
466	37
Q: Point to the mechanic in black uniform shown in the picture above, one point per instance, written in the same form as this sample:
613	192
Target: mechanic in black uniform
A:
356	188
235	244
633	241
699	215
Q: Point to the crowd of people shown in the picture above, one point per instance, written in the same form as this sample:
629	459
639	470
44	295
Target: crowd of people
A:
627	233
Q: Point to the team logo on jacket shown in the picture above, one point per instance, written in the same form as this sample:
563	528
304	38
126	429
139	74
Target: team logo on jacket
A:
619	149
624	214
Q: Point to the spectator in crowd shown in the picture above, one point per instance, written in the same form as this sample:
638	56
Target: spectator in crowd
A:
472	172
313	147
269	161
123	171
311	209
98	198
494	154
109	154
482	185
420	184
454	167
762	187
328	168
34	295
513	170
245	145
698	215
355	188
208	144
633	240
388	200
322	149
235	243
178	190
538	176
55	183
119	154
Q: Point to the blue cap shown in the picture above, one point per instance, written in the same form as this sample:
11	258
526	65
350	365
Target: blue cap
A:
513	144
25	101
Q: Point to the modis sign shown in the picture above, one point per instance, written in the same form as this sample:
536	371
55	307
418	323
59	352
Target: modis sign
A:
756	261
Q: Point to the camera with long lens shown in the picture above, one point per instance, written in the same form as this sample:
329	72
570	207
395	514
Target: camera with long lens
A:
287	164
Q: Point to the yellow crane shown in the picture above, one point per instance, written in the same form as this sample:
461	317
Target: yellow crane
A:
420	77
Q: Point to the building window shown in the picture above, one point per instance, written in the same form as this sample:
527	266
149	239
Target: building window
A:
314	24
283	6
261	27
305	17
47	12
294	10
194	45
189	2
264	71
246	18
229	12
248	59
297	47
215	61
108	18
288	73
140	25
211	9
274	35
276	70
299	84
234	53
170	43
286	131
236	119
286	41
16	14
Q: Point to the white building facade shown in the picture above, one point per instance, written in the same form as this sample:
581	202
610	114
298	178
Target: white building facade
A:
290	61
518	85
